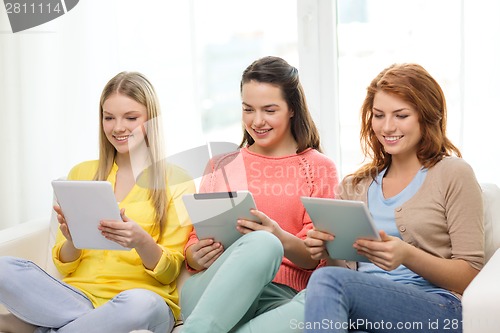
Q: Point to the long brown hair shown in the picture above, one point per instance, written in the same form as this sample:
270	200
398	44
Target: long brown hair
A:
279	73
413	84
137	87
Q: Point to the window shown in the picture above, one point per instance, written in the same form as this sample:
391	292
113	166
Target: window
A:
229	36
373	34
343	44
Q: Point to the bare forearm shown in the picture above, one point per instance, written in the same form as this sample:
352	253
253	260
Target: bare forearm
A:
69	252
150	253
295	250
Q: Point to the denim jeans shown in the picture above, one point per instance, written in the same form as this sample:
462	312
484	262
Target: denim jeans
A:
342	300
35	297
235	294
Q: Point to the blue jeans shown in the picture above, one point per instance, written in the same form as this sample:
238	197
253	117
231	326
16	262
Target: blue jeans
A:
342	300
35	297
235	294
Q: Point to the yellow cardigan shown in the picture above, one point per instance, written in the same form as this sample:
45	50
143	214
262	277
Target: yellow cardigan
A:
102	274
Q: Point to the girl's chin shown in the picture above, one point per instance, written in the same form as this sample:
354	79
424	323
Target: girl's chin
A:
122	151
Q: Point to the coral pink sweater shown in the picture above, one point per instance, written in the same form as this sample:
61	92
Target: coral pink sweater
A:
277	183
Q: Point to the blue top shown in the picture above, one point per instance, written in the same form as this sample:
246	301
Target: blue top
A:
382	210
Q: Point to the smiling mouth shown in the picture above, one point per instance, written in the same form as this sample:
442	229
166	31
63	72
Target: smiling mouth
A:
121	138
393	138
261	131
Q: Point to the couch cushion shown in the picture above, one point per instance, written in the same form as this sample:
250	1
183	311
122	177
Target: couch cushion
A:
26	240
491	199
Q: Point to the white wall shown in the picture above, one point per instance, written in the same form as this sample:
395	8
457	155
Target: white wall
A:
481	143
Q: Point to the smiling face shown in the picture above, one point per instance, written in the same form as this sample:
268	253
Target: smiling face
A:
121	116
266	118
396	125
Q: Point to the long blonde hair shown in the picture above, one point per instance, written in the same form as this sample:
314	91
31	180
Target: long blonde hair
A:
137	87
413	84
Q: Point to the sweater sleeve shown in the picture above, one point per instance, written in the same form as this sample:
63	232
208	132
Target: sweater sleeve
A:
464	212
205	183
174	233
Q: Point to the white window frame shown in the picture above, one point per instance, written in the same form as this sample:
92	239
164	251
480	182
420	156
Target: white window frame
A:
318	61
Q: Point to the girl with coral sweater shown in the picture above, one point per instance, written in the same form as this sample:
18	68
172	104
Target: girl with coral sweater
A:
256	283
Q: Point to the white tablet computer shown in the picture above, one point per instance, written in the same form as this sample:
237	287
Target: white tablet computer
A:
214	215
347	220
85	203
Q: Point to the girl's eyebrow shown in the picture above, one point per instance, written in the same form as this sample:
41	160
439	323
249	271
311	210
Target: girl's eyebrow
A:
265	106
126	113
398	110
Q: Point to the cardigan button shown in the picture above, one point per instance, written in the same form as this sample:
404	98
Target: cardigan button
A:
399	209
402	228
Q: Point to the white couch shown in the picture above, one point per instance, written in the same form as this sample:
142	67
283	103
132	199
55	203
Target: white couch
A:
481	300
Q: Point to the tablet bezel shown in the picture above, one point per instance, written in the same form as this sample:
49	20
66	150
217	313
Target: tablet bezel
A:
84	204
348	220
215	215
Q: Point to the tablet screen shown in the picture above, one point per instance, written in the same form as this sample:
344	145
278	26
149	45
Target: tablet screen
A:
84	204
215	215
348	220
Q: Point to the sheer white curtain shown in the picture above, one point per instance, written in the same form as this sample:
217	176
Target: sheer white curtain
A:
51	80
193	52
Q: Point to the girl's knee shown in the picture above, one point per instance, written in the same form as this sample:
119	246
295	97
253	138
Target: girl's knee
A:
260	250
141	299
263	241
8	269
152	306
330	278
6	264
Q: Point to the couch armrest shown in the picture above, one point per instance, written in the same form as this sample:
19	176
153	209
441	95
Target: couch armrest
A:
27	240
480	304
